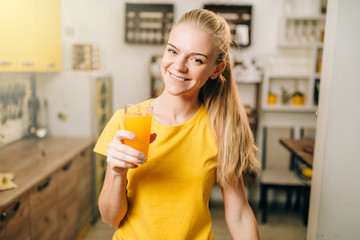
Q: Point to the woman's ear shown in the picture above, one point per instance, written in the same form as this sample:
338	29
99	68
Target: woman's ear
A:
218	70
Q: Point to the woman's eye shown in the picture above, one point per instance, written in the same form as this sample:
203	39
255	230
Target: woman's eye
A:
172	51
198	60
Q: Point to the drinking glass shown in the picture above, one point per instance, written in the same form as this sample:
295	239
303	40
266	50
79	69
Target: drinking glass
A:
138	121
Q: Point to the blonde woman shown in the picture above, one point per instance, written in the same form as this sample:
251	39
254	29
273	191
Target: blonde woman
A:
201	135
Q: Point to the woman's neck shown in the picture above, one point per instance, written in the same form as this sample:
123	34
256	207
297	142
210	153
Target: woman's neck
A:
172	110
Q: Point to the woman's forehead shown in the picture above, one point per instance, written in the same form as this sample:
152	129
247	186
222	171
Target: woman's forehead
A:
190	38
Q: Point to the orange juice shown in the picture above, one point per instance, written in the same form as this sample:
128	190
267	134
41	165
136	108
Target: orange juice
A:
138	121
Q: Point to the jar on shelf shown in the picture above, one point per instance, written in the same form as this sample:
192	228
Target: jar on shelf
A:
272	99
298	98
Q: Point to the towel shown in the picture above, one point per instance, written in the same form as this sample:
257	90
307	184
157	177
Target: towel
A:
6	182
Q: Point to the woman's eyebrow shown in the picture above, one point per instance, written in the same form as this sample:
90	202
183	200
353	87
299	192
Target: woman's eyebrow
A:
193	53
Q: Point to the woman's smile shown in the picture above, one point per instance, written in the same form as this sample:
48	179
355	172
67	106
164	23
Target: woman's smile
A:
177	77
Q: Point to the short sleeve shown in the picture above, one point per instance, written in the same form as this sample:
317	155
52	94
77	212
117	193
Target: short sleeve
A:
115	123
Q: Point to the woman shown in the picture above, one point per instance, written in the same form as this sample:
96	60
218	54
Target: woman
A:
201	135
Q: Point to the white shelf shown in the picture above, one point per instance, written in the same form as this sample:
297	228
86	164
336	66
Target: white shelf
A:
302	31
287	75
285	44
306	17
289	108
296	31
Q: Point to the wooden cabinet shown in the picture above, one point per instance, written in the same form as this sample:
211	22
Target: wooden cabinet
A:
74	195
32	35
68	203
43	214
84	187
14	220
56	190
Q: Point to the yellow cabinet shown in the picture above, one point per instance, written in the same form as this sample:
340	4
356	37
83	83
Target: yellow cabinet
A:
26	36
7	35
49	35
33	35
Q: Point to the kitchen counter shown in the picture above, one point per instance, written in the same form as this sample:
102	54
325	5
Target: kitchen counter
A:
55	194
32	160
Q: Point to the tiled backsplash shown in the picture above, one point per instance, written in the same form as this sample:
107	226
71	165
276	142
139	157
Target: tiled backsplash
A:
15	92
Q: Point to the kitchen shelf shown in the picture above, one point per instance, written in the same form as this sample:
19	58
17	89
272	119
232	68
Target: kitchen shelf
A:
296	32
285	44
287	108
148	23
302	30
239	18
284	86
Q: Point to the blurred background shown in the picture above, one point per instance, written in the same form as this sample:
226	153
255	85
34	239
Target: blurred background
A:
67	66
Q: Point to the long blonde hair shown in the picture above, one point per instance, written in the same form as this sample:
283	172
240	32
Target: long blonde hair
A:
237	152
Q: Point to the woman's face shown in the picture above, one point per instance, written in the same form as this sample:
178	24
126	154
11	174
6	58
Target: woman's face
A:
189	60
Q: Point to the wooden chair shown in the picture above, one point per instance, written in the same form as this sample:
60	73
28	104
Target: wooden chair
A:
276	172
307	133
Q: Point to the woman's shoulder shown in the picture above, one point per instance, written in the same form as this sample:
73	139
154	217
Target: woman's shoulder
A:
146	102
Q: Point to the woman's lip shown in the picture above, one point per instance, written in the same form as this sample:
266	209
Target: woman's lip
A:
177	77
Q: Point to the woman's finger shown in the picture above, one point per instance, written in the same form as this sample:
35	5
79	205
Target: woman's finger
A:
124	157
120	147
116	164
123	134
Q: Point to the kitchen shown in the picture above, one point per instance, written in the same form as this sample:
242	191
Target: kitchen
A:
102	24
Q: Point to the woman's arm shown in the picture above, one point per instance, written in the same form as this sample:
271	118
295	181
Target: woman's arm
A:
120	157
238	214
112	200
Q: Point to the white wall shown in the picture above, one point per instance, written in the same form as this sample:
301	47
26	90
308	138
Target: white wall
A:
335	193
102	22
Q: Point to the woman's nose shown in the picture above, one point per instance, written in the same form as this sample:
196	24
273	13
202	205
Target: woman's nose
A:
180	64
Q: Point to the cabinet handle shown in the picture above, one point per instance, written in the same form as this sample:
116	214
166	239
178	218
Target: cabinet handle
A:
84	153
50	64
6	63
28	64
10	213
44	185
67	166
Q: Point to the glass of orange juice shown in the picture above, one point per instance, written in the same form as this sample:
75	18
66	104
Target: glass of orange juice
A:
138	121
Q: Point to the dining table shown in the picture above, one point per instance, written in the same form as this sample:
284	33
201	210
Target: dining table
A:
302	150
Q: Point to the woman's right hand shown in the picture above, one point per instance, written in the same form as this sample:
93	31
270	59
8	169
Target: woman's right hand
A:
120	156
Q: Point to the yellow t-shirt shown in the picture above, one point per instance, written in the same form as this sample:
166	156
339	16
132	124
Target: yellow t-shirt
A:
168	196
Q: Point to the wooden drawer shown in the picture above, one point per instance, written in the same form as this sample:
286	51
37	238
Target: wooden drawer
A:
43	214
84	174
14	220
74	195
67	179
84	188
68	217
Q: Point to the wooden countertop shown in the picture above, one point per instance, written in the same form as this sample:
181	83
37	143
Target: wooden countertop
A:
32	160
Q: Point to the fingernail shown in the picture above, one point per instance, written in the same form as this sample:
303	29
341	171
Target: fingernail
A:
142	156
140	162
132	136
135	166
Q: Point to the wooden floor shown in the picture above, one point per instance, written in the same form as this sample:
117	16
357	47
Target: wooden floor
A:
281	225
